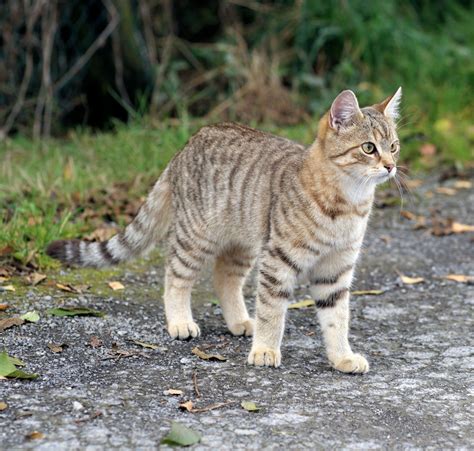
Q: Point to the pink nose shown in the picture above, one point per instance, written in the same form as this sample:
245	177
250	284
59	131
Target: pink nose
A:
389	167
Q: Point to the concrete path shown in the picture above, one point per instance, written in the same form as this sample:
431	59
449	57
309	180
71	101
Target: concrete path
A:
418	338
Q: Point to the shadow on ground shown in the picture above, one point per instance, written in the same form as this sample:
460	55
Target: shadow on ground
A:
418	339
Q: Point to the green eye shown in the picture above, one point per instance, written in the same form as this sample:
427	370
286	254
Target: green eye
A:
394	147
369	148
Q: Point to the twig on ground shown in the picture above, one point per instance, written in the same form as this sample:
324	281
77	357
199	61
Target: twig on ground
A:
195	383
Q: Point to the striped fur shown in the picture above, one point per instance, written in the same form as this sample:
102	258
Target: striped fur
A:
238	196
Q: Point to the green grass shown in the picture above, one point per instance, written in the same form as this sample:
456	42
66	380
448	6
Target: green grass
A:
46	188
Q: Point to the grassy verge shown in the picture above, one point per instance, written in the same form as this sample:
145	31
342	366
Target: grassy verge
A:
71	187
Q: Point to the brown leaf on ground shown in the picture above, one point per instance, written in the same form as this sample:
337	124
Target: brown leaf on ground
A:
188	405
145	345
414	183
447	226
3	307
411	280
204	356
35	278
35	435
95	342
79	289
56	348
10	322
173	392
101	234
446	190
116	286
3	405
461	278
462	184
408	215
6	250
386	238
461	228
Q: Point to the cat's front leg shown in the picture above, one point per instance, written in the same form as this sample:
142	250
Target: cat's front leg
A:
332	300
276	280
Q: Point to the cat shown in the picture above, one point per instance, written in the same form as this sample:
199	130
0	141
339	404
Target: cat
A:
237	196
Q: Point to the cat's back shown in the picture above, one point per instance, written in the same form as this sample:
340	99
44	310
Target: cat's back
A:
229	145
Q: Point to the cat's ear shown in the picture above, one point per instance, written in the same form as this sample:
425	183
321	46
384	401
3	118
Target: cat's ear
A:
390	107
343	110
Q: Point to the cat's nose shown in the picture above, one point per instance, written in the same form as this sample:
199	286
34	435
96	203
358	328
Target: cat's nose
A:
389	167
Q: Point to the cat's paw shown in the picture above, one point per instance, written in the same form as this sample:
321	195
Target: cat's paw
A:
262	356
352	363
182	331
244	328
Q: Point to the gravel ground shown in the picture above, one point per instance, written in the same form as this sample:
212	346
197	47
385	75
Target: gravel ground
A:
418	339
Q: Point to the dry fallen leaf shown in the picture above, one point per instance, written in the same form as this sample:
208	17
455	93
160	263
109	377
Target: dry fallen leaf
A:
204	356
3	307
461	228
10	322
366	292
79	289
303	304
116	286
188	405
35	278
7	250
408	215
462	184
461	278
386	238
95	342
414	183
411	280
35	435
172	391
3	405
445	190
56	348
145	345
7	288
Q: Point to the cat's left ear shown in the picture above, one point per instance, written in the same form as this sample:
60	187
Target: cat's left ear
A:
390	107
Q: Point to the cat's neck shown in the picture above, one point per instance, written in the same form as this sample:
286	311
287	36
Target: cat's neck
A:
320	174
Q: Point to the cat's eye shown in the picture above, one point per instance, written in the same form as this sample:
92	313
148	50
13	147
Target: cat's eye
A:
394	147
369	148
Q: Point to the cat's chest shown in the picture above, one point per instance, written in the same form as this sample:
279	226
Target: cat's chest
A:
342	232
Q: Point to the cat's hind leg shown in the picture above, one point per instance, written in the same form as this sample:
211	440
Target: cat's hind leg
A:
187	257
231	268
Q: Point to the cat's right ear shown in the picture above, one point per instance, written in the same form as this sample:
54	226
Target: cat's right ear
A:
343	110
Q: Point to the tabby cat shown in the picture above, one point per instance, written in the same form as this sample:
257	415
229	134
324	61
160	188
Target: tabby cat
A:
240	196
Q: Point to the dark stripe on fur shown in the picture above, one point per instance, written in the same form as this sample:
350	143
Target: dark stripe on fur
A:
330	280
332	299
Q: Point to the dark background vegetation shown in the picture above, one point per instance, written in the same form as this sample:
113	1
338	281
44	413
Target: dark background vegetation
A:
97	95
87	62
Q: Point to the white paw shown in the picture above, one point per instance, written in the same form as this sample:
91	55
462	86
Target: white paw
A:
352	363
244	328
262	356
181	331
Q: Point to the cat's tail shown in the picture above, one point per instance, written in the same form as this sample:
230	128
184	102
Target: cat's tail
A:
149	226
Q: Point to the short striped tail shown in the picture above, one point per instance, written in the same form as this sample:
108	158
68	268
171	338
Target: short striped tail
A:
149	226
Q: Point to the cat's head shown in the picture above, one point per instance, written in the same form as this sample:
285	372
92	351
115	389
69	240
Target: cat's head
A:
363	142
